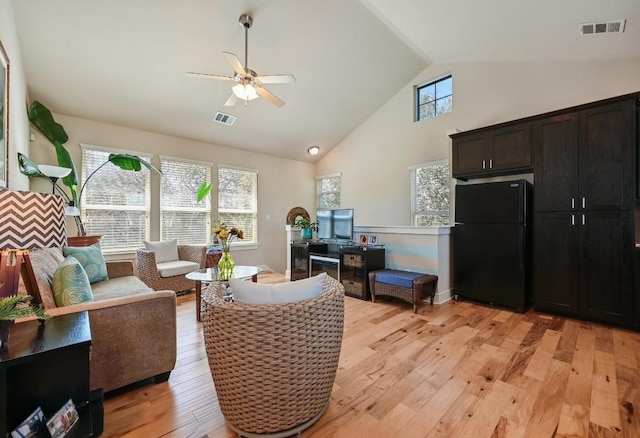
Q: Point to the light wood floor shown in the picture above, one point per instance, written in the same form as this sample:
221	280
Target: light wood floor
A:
457	369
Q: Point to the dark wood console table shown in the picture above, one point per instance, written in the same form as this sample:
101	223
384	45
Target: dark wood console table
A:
46	365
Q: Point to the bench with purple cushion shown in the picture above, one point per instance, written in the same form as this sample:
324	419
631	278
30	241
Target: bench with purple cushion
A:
412	287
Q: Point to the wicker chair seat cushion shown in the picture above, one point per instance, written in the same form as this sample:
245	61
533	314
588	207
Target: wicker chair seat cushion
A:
273	365
176	267
247	292
165	251
398	278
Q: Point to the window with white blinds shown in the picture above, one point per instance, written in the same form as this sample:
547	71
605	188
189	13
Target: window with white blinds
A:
182	216
328	191
115	203
238	201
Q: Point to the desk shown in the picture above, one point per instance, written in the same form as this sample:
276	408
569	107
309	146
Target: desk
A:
46	366
212	274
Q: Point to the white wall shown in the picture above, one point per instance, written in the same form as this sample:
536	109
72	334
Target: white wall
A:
18	121
282	184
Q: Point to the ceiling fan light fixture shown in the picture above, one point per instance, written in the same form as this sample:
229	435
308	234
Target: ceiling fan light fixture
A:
245	91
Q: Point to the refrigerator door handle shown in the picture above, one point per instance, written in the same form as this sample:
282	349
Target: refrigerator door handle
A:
521	245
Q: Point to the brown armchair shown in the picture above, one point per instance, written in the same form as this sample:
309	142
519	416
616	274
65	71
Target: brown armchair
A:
155	275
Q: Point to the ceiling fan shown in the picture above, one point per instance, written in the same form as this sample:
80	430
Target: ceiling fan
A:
249	85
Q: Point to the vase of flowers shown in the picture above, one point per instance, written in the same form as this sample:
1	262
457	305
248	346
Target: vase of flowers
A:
225	236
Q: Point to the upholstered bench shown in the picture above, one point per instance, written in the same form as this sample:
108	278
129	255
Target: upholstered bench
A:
412	287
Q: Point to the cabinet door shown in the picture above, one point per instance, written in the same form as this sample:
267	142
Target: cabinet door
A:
299	262
556	269
511	148
469	155
607	158
606	260
556	163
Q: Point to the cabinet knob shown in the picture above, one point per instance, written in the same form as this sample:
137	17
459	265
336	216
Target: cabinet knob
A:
491	163
573	203
484	164
573	219
584	202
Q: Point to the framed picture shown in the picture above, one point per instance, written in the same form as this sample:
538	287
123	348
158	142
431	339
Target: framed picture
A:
364	240
373	239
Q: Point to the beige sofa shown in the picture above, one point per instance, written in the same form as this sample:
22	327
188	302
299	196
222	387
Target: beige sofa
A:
133	328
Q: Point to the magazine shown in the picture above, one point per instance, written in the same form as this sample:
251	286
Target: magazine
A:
63	420
32	427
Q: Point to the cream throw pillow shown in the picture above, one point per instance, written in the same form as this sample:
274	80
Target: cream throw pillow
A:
166	251
248	292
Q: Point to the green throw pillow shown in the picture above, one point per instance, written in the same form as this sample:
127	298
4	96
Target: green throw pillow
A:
91	259
71	284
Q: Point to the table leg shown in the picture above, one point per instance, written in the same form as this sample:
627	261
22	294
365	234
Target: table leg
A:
198	299
254	278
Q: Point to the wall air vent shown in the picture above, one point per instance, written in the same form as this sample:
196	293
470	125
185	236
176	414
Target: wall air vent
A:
616	26
225	119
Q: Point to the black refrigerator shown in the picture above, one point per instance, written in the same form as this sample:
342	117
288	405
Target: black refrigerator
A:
492	244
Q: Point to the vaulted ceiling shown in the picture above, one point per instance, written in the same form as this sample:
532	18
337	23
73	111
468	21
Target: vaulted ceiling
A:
124	62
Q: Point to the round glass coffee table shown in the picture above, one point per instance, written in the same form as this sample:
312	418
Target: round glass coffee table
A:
212	274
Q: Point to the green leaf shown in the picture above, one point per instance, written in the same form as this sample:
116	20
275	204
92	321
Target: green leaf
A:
27	167
131	162
42	119
204	190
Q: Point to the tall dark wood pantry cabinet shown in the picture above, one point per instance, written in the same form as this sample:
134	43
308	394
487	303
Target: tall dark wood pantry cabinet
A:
584	172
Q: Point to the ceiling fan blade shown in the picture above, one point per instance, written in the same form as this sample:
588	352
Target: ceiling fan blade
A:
209	76
231	100
270	97
276	79
235	63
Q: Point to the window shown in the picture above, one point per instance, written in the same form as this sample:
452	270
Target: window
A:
434	98
115	203
238	200
430	193
329	191
182	216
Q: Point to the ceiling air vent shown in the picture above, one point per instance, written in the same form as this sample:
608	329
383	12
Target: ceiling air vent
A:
225	119
616	26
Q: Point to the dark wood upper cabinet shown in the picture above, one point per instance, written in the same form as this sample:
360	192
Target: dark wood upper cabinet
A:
584	160
556	163
495	151
607	158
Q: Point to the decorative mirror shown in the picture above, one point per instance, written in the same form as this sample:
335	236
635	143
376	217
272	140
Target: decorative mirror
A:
4	116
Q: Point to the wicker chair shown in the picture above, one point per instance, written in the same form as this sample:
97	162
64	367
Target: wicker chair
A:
273	365
148	272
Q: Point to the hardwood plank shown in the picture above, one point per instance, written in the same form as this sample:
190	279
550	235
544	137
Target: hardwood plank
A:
604	392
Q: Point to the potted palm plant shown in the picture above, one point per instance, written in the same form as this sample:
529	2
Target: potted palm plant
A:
306	227
12	308
42	119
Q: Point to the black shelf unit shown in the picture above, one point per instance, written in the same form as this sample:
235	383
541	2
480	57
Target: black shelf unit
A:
46	365
355	264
